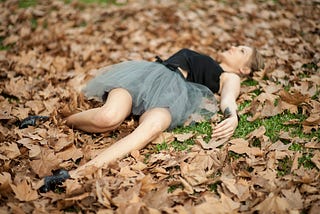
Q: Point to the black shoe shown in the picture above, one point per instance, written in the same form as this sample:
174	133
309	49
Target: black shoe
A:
51	182
32	121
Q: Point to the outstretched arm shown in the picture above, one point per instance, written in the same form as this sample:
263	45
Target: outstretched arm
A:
152	123
229	90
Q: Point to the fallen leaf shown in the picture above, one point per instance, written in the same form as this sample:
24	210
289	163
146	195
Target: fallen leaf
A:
212	144
316	158
5	181
48	161
295	98
24	191
274	204
10	150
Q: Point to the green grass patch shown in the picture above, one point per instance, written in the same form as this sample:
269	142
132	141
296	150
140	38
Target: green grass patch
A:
214	187
249	82
310	66
34	23
234	156
27	3
180	146
31	3
176	145
162	146
114	2
172	188
72	209
284	166
305	161
256	143
2	46
273	125
296	147
316	96
203	128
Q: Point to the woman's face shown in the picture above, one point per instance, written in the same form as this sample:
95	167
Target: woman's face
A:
236	57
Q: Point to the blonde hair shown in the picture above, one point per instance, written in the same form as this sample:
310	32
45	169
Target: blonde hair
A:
256	61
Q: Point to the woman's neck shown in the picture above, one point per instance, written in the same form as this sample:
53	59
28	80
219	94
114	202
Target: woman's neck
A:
227	68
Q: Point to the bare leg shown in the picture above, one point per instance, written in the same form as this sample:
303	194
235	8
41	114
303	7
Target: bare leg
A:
108	117
152	123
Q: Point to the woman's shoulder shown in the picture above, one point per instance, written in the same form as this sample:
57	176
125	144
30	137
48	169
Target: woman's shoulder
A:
229	78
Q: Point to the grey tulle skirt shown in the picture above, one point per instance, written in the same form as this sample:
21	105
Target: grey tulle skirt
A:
151	85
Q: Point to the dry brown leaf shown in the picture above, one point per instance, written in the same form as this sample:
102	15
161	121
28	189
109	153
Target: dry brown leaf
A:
73	187
35	105
79	197
295	162
257	133
62	142
222	205
48	161
10	150
239	146
5	181
212	144
127	172
24	191
164	137
240	188
11	39
187	187
279	146
70	153
294	98
294	198
312	120
316	158
139	166
34	149
104	196
314	143
194	174
183	137
5	110
273	204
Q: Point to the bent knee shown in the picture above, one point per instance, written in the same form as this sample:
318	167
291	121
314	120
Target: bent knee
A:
158	119
106	118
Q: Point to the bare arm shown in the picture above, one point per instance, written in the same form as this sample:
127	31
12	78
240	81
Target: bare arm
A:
229	90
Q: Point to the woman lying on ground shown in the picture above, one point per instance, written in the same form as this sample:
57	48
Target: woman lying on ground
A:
165	94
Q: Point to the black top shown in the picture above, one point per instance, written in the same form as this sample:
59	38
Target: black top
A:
201	68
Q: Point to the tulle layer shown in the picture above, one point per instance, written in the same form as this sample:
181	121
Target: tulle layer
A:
151	85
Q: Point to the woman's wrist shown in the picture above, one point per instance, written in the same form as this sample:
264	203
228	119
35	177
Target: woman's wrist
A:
227	113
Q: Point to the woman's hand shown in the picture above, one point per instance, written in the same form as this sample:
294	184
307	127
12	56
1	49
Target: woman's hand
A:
226	128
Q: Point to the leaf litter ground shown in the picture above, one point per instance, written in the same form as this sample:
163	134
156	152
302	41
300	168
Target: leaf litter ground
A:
50	49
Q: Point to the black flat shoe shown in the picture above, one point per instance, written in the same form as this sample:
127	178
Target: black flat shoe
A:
51	182
32	121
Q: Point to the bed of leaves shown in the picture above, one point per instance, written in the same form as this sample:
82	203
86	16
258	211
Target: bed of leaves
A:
49	50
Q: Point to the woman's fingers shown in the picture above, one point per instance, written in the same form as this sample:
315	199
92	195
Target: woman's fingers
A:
225	132
225	129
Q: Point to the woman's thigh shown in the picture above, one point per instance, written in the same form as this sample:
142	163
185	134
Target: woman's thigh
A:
118	104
